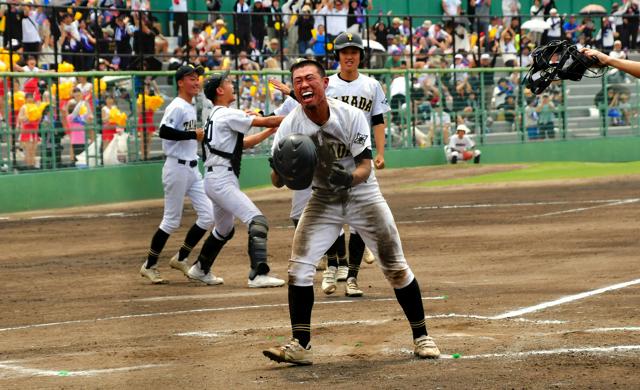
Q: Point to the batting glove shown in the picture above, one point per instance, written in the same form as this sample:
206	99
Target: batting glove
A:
340	176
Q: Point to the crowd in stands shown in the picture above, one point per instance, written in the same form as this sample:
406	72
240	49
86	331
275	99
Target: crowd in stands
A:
268	34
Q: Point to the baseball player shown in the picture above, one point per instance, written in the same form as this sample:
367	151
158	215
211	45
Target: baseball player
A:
180	177
365	93
461	147
345	191
225	138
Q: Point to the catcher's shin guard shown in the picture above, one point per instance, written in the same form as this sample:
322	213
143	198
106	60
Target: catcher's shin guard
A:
258	230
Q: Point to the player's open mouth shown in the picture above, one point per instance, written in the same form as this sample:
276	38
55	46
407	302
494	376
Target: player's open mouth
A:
307	96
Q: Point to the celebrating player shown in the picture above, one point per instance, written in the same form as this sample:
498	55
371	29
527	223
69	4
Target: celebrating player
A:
225	139
345	191
365	93
180	176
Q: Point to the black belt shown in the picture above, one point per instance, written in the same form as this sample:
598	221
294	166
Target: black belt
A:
210	169
191	163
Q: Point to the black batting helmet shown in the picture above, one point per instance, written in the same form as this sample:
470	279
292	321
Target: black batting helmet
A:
294	159
347	39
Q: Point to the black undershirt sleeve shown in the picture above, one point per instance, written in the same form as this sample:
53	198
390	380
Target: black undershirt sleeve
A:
365	155
172	134
377	120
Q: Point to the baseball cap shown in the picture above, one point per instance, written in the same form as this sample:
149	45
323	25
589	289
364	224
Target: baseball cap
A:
212	83
186	70
485	56
459	56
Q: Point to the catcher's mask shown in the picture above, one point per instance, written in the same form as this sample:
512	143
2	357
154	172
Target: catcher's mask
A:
568	64
294	159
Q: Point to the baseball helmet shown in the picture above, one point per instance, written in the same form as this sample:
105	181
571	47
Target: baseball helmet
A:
345	40
294	159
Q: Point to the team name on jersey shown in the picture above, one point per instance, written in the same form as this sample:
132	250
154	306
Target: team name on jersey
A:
358	101
190	125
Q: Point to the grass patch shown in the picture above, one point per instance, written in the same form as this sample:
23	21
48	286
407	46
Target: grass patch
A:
545	171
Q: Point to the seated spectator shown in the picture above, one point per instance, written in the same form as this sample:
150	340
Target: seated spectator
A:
273	48
440	126
319	43
461	147
531	119
508	109
501	91
395	60
626	108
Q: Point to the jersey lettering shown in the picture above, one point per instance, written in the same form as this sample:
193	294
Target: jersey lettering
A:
190	125
360	102
339	151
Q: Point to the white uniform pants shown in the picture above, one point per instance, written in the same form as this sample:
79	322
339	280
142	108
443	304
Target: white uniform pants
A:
322	221
223	188
179	180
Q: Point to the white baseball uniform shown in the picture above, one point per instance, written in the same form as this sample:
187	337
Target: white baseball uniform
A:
224	131
458	146
346	134
364	93
180	174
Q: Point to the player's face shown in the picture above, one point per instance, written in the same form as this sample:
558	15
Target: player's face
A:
191	84
309	86
228	91
349	58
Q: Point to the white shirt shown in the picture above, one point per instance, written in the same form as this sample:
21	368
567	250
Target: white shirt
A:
336	20
451	6
29	31
222	128
461	144
181	6
343	136
556	27
180	115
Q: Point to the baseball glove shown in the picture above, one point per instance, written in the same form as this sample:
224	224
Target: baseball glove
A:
294	160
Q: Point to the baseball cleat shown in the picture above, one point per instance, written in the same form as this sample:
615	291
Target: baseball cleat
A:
426	348
329	283
262	281
352	289
292	353
152	274
368	256
195	273
182	266
322	265
343	272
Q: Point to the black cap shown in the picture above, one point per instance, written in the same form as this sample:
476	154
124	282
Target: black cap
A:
186	70
212	83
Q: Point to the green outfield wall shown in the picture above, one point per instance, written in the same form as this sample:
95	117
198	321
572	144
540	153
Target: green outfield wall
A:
82	187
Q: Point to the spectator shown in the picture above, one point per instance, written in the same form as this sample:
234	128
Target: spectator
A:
243	23
510	10
355	16
180	21
290	10
381	33
487	61
395	60
274	20
531	119
336	19
507	47
394	29
606	35
87	48
406	31
122	38
214	6
305	25
31	40
501	91
272	49
258	27
630	24
12	23
482	9
545	110
77	119
108	128
451	9
69	41
461	41
319	42
461	147
537	10
571	29
616	19
508	109
440	126
555	31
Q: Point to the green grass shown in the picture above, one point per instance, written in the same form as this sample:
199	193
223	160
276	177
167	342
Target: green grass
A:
545	171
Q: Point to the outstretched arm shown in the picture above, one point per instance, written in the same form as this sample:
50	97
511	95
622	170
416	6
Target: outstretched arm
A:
627	66
252	140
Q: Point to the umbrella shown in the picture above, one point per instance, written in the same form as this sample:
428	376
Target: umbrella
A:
373	45
537	25
593	9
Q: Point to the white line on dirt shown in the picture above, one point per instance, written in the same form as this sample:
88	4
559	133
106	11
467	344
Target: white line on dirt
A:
627	201
74	216
205	310
618	329
203	296
559	351
26	371
521	204
570	298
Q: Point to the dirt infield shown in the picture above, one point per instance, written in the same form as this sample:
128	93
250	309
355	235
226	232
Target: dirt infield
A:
533	285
